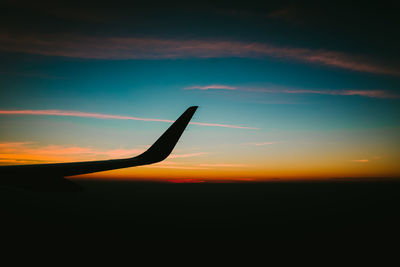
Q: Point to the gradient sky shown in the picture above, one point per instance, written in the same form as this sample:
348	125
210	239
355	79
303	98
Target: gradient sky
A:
286	89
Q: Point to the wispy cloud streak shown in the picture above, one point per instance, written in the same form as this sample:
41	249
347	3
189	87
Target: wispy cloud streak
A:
348	92
188	155
223	125
76	114
210	87
366	93
108	116
116	48
360	160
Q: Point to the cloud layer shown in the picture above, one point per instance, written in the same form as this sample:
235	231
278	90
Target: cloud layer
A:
118	48
29	152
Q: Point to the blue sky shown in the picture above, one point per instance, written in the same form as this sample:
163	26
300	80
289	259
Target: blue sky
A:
309	99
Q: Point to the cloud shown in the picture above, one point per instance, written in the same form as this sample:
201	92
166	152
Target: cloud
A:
193	166
357	92
360	160
224	125
108	116
176	167
11	146
205	166
120	48
189	155
211	87
370	93
29	152
166	164
366	93
76	114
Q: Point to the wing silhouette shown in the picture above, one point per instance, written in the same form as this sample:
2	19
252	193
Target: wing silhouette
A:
49	176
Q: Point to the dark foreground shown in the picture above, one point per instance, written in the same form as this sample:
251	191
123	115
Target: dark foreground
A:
309	211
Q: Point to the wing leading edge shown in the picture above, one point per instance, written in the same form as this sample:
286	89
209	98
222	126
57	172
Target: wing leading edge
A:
159	151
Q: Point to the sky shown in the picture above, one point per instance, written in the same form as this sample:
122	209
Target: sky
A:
286	89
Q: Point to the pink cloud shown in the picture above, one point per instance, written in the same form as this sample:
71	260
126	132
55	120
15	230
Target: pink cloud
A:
189	155
29	152
11	152
366	93
116	48
211	87
107	116
190	166
12	146
360	160
370	93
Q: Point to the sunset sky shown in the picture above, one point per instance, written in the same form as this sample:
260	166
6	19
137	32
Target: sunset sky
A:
286	90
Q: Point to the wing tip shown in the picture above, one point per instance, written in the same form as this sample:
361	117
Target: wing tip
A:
164	145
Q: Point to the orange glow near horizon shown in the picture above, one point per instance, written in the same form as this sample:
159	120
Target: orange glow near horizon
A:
207	166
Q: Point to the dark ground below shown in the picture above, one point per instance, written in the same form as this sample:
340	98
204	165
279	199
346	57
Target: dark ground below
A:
343	211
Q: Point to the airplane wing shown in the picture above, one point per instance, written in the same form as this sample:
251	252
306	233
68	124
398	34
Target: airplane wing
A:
48	173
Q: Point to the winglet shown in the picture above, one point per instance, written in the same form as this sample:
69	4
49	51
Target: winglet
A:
161	149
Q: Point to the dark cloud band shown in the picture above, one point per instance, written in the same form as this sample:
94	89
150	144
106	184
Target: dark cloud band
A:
125	48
